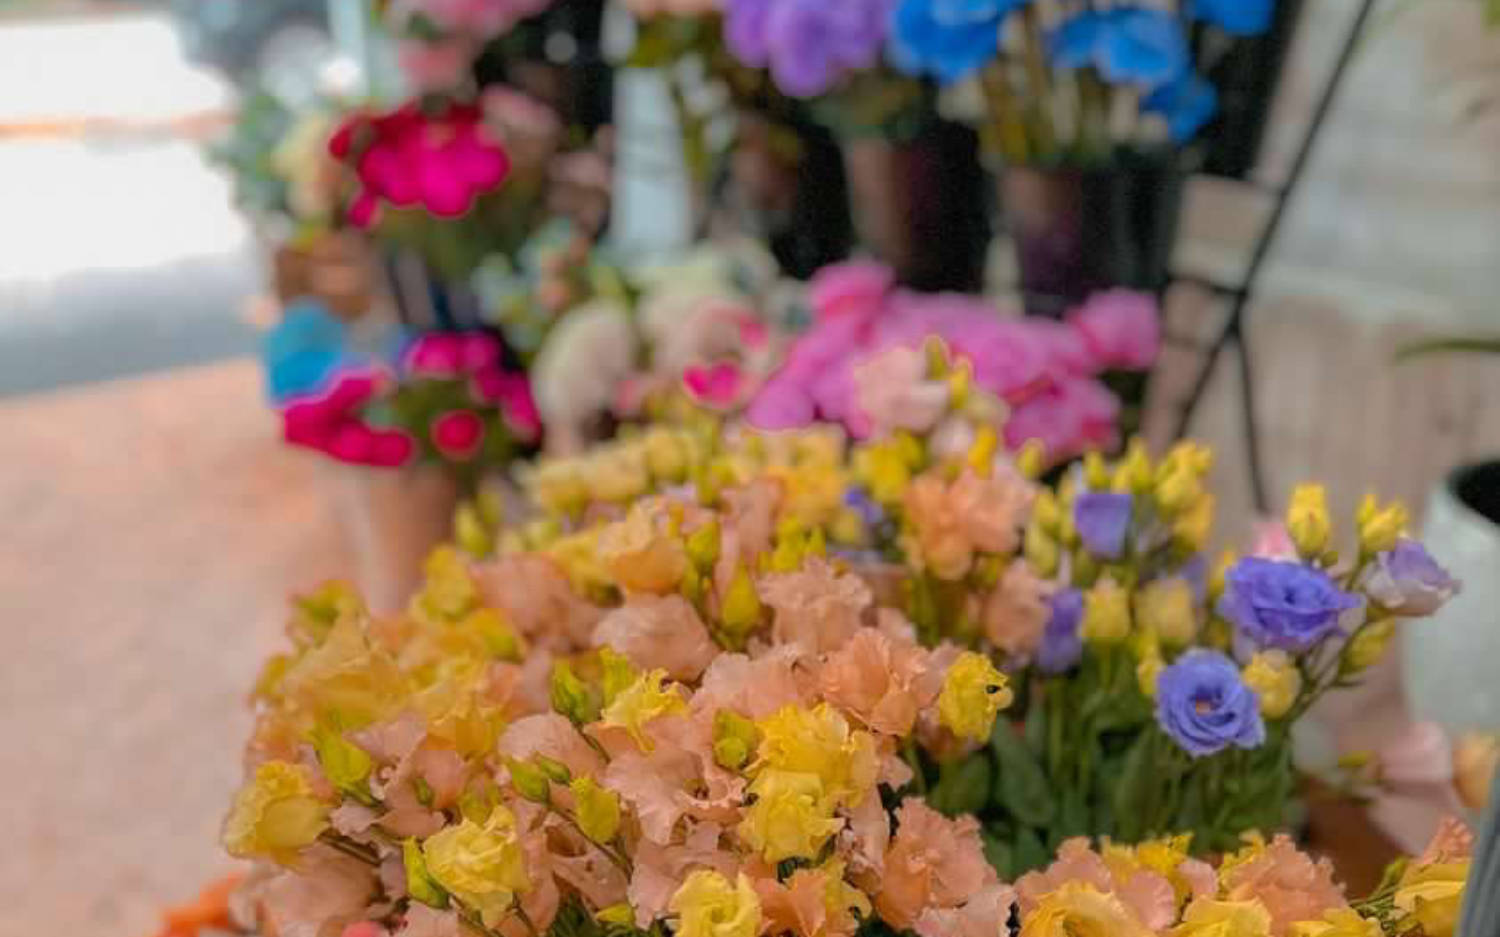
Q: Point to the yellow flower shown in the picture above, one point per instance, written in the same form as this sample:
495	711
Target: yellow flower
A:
345	764
1041	549
1147	671
1178	491
500	639
578	555
667	453
1165	857
469	531
419	883
347	679
559	486
597	809
274	815
482	866
1031	460
703	545
708	905
735	738
1368	645
1433	895
1134	473
642	701
1379	527
811	493
643	553
973	693
1106	613
1046	513
1191	529
884	470
819	742
448	593
1168	607
1208	918
741	611
791	818
1080	910
616	915
1307	520
318	611
1095	472
1275	678
1340	922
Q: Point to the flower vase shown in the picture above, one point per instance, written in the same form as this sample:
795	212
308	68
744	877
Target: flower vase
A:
785	185
392	518
425	299
1079	231
918	205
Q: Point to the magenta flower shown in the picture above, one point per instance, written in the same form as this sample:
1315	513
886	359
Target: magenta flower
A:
1120	328
511	392
716	385
458	434
857	287
407	158
330	422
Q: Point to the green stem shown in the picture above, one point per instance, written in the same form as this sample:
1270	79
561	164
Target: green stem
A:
914	760
1040	81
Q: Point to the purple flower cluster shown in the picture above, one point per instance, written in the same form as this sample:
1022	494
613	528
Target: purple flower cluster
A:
1062	645
1283	603
1204	705
1407	580
1102	519
808	45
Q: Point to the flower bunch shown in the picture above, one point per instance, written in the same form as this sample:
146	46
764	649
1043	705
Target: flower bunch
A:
443	396
700	721
869	335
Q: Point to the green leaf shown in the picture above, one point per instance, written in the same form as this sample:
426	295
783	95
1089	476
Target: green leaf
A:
1030	852
963	786
1021	785
1130	789
1482	344
999	853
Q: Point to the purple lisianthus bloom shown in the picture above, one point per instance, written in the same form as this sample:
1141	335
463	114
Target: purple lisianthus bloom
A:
1126	45
1102	519
1204	705
1186	103
1282	603
1062	646
1406	579
921	44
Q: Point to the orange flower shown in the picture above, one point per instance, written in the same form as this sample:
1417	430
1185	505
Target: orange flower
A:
1287	881
1016	612
882	682
209	910
952	521
933	862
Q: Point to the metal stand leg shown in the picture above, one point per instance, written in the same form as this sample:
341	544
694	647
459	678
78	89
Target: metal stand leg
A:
1233	330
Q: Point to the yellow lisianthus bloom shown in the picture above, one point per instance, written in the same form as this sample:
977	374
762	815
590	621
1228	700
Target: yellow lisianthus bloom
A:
973	693
1307	520
1168	607
884	469
1275	679
791	818
559	486
1206	917
1433	895
597	809
275	815
1106	613
1190	530
578	555
348	678
708	905
643	552
449	592
819	742
642	701
482	866
1080	910
1147	671
1341	922
1368	645
1379	527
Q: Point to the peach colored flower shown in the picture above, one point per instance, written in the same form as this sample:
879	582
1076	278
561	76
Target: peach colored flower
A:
442	772
1016	612
953	520
328	888
747	522
643	552
893	392
1147	894
658	633
551	735
1452	841
881	682
589	872
677	778
933	862
536	598
660	868
864	840
754	687
986	914
811	903
1287	881
422	921
816	607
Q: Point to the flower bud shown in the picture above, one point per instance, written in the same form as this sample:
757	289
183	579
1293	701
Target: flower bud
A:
703	545
1041	550
346	765
1031	461
741	612
1190	531
1106	613
1133	475
735	739
556	771
596	809
1167	606
419	883
530	781
571	697
1095	472
617	673
1380	527
1045	511
1147	671
982	453
470	532
1367	646
1275	679
1307	520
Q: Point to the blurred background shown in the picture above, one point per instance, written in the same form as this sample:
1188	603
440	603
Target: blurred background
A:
153	520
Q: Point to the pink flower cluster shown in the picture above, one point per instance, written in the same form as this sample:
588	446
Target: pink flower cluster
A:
331	422
335	420
407	158
1046	371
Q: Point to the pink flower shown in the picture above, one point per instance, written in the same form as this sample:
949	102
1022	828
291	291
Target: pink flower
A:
932	863
659	633
881	682
717	385
434	65
1016	612
458	434
553	736
435	354
331	422
512	392
442	162
1121	328
1067	418
816	608
853	288
1287	881
751	687
985	914
894	392
1271	540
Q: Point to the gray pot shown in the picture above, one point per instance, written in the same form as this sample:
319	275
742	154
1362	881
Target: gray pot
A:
1450	662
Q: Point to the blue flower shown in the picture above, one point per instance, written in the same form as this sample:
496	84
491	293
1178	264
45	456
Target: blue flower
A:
921	44
1187	103
1126	45
1062	645
1102	519
304	348
1282	603
1236	17
964	12
1407	580
1205	706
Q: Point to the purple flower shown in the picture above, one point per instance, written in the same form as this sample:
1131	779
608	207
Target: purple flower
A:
1205	707
1102	519
1282	603
807	44
1408	580
1061	646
